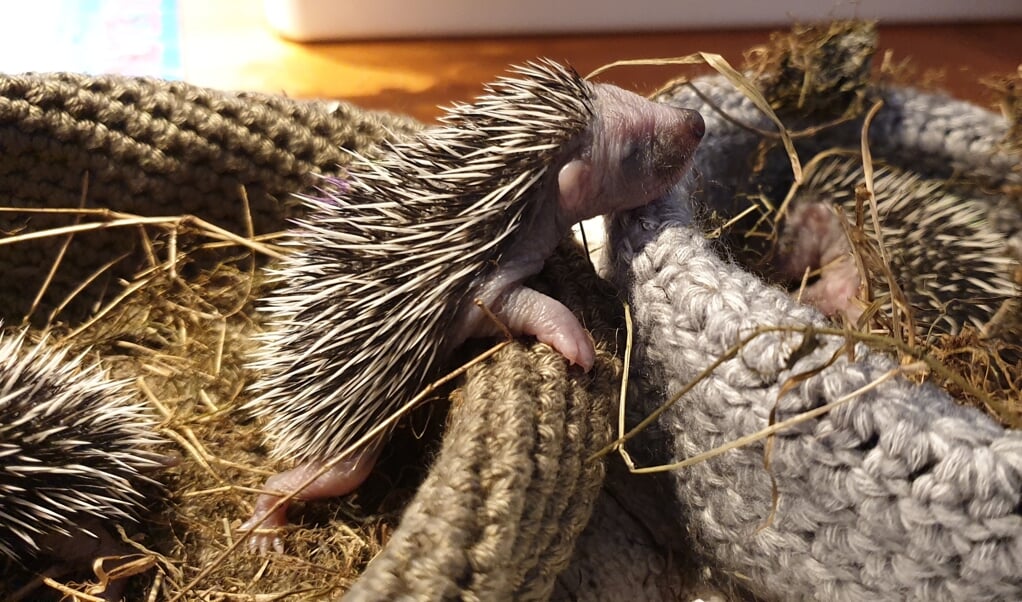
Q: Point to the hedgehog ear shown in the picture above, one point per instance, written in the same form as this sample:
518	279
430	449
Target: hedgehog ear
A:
572	184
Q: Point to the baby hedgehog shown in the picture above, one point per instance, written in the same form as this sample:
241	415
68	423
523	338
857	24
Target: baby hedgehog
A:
74	449
947	258
386	268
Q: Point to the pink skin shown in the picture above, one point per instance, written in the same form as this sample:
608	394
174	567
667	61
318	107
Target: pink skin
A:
813	239
340	479
633	153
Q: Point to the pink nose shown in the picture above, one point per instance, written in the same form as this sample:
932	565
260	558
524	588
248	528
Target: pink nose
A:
676	142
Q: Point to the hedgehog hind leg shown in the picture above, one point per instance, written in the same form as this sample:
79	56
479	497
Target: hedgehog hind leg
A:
530	312
341	478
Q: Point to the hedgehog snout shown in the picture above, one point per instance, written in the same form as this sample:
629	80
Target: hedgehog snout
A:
675	143
640	149
663	140
664	153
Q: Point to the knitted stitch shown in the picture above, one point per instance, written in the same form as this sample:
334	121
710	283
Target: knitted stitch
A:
152	147
475	530
156	148
633	548
899	494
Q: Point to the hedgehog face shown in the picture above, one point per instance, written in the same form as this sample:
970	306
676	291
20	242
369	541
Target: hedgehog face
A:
636	150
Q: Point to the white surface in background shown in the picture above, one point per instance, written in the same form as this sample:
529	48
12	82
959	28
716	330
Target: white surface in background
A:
349	19
596	239
128	37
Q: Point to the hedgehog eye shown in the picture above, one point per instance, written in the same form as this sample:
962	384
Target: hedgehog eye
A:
632	157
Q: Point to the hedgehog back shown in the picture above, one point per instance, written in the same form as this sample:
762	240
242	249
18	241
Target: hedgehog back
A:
72	444
388	257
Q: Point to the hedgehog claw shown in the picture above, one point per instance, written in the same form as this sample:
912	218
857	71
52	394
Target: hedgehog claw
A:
262	543
265	534
575	345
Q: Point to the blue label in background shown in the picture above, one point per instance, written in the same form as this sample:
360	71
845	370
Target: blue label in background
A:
128	37
170	40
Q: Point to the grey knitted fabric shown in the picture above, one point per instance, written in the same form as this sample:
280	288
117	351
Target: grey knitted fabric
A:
900	494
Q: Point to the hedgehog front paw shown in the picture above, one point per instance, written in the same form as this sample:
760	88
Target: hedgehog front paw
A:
264	534
530	312
574	344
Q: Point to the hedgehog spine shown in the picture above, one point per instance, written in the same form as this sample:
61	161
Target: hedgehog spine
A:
388	264
72	444
476	147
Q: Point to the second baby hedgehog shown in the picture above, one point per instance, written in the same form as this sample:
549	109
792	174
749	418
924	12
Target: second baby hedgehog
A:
944	253
389	263
76	452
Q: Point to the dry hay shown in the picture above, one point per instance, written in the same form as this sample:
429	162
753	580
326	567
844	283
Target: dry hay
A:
1008	92
182	329
815	69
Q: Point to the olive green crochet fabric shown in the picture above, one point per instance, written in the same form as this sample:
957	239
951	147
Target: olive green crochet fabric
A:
499	514
150	147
